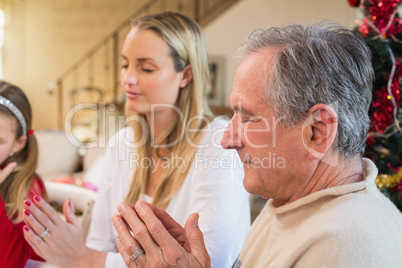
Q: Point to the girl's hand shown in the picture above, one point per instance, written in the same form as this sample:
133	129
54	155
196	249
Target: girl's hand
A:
7	171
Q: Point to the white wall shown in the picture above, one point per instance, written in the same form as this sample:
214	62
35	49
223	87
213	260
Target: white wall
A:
44	37
224	34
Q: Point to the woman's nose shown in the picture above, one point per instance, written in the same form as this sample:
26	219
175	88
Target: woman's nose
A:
129	78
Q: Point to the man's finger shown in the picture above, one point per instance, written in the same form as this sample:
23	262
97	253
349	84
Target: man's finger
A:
174	228
123	252
155	226
140	231
130	245
196	240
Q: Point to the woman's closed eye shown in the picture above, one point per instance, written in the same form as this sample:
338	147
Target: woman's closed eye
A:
146	67
147	70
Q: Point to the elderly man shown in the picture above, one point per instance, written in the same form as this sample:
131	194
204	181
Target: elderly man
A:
300	98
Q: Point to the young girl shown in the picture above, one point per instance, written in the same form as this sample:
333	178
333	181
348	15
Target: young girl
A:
18	180
170	155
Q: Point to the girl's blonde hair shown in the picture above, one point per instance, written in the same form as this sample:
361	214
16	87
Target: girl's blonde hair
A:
14	189
187	47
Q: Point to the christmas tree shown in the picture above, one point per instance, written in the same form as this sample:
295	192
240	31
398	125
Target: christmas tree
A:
381	30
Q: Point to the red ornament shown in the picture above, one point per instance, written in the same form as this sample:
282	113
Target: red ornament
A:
382	110
380	13
398	187
365	29
383	103
354	3
370	141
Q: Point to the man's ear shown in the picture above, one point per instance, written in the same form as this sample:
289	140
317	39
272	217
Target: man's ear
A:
320	130
187	76
19	144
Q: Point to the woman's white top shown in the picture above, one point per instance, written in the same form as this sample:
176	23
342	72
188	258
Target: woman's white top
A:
213	188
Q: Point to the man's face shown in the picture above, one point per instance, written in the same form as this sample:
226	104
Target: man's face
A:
274	159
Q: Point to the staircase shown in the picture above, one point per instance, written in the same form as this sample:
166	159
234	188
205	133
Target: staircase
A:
99	68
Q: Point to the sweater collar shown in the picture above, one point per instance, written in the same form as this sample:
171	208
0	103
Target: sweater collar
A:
370	172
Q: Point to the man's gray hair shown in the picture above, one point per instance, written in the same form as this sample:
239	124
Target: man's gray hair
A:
318	63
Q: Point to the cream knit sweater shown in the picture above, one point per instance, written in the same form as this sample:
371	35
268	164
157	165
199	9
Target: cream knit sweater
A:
352	225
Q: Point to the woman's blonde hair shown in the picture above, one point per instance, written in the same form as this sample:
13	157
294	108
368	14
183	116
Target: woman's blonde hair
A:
14	189
187	47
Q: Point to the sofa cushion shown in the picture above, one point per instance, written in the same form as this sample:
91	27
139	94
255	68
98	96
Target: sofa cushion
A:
57	156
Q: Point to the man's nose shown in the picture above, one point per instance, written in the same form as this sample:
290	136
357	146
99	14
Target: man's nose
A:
232	136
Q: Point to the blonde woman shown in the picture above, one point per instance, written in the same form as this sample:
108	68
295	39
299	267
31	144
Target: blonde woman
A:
170	155
18	180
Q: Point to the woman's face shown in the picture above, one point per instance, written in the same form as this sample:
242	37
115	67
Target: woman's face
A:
148	75
8	143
